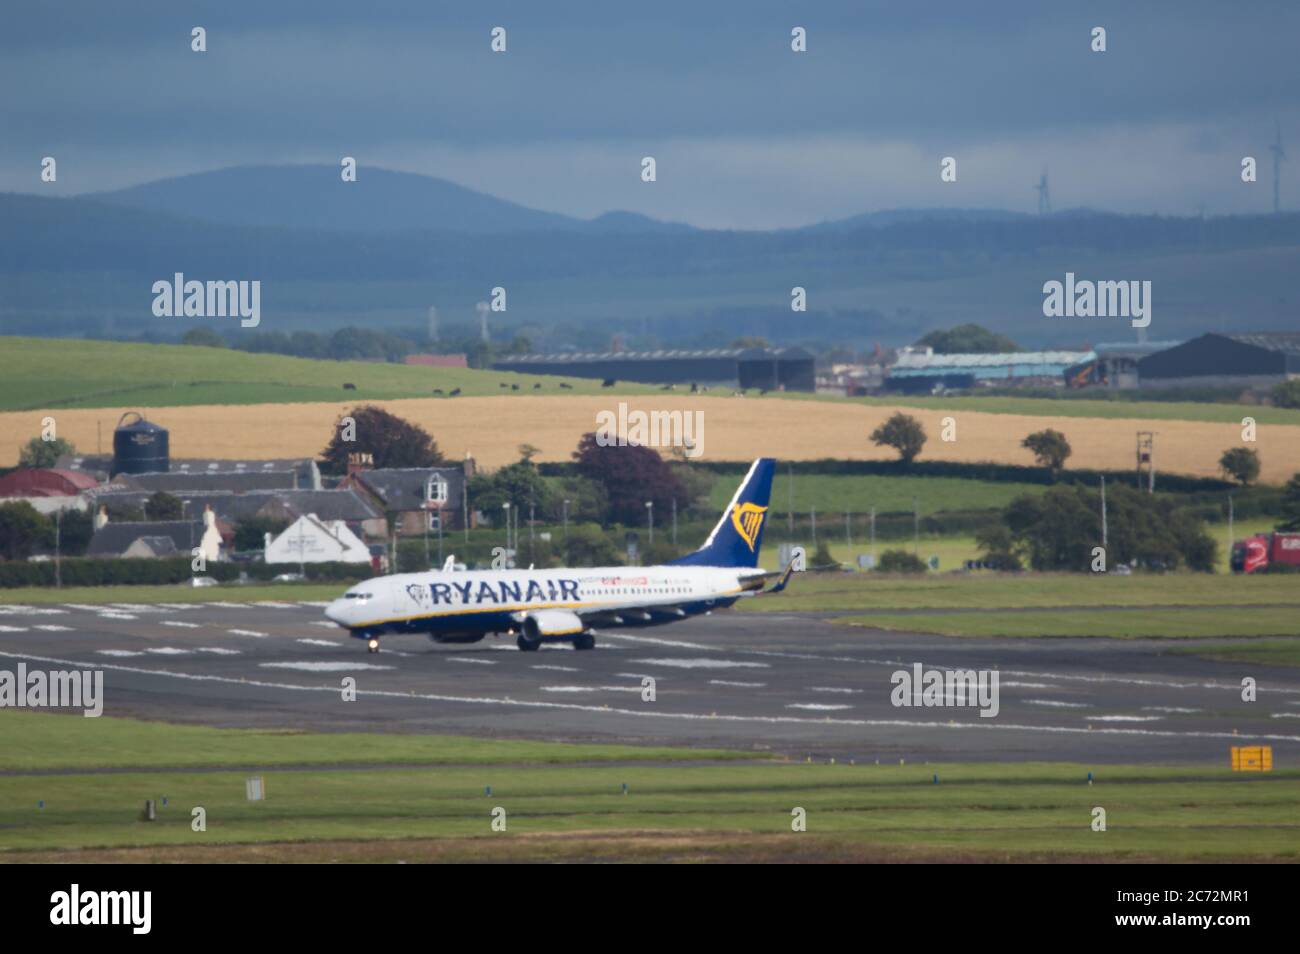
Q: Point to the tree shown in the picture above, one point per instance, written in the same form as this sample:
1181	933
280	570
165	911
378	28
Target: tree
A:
250	533
902	432
23	531
203	337
388	439
1290	509
39	452
75	528
1287	394
900	561
1241	464
631	475
1050	449
968	339
997	548
1059	530
588	545
163	506
517	484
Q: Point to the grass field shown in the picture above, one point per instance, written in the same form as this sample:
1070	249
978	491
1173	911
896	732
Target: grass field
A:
575	807
72	373
833	494
862	592
1164	623
1112	410
236	405
232	592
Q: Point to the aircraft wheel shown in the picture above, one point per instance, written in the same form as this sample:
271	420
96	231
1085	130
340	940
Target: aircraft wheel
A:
585	641
527	645
372	646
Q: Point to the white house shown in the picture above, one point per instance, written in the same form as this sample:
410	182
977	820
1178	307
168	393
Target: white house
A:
310	540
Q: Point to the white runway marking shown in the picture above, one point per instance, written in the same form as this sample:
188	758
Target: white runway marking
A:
326	623
1285	715
274	604
1028	685
180	606
118	652
1168	709
832	689
225	605
1057	704
657	642
590	688
178	623
738	685
53	628
18	609
1124	718
84	607
117	616
168	651
818	706
320	642
217	650
13	629
471	659
559	668
320	604
309	666
987	725
246	632
702	664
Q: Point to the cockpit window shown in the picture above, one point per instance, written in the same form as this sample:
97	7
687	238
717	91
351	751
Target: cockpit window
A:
356	596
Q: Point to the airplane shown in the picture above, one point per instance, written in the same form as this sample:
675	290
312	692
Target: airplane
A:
565	605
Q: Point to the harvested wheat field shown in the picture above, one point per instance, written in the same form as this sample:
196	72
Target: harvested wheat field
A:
492	428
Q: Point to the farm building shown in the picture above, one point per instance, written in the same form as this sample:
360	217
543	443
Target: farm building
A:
419	499
309	540
919	370
1115	364
47	489
159	538
772	369
1259	359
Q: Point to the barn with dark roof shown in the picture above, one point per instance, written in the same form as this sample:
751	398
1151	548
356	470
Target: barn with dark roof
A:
1254	359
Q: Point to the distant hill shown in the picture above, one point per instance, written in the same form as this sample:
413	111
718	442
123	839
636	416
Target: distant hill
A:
316	197
80	266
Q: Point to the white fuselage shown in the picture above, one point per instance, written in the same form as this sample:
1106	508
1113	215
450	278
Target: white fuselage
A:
484	601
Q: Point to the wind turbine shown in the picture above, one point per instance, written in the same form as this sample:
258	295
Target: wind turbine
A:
1044	198
1279	154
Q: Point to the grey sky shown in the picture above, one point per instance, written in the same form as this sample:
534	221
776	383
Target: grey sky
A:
747	134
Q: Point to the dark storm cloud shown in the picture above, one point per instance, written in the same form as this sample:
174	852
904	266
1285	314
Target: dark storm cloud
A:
116	90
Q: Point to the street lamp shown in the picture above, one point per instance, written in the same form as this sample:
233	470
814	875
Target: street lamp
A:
506	507
566	521
650	516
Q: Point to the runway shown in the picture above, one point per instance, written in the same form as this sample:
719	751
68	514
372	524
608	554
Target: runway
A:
799	685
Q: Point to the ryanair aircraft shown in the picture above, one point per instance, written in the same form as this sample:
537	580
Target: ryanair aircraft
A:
564	605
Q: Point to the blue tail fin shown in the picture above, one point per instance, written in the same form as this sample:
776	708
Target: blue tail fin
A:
739	534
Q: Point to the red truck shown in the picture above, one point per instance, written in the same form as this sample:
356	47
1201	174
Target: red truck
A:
1255	553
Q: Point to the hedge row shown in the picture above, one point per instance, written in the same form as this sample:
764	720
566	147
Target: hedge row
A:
92	571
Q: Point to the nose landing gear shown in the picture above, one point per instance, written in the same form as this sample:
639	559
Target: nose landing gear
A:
372	646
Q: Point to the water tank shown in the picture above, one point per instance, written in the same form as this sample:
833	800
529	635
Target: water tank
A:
139	447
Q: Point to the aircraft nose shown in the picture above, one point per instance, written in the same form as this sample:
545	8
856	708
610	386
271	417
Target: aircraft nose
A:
334	612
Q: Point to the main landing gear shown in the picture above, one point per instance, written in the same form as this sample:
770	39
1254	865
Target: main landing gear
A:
585	641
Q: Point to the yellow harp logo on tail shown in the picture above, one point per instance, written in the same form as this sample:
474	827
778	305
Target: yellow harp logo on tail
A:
748	520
